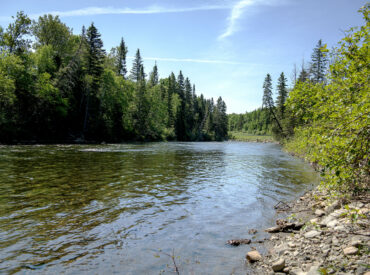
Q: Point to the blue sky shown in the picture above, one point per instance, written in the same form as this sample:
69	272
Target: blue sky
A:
226	48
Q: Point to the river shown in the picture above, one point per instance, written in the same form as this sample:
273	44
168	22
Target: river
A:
123	208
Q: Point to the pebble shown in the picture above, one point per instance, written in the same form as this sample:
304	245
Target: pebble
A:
319	213
278	265
253	256
332	223
351	250
312	234
314	270
296	271
338	241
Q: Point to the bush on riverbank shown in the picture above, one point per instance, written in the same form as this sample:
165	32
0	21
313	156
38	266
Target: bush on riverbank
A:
331	120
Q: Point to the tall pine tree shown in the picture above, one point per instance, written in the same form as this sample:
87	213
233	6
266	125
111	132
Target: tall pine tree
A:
267	100
180	128
95	59
137	70
319	63
121	59
154	77
282	95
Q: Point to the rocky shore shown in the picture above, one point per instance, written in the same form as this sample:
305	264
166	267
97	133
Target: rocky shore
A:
320	235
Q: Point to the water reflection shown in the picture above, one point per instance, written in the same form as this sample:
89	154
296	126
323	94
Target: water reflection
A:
108	208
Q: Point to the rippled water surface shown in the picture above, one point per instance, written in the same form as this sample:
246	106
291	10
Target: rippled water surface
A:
103	209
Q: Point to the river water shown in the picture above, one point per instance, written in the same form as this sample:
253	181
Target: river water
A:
124	208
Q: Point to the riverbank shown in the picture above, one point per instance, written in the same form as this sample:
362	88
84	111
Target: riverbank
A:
241	136
334	237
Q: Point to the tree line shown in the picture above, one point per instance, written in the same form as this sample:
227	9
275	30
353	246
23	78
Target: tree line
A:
325	117
58	86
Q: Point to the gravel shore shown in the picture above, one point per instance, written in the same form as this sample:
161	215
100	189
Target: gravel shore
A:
320	235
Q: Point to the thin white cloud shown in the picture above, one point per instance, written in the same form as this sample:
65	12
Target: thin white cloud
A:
90	11
236	13
191	60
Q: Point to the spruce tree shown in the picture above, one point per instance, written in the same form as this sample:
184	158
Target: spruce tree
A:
95	59
171	91
137	70
154	77
180	128
189	115
121	59
267	100
282	94
220	120
319	63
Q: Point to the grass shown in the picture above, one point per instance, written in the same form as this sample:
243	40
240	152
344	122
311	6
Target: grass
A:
242	136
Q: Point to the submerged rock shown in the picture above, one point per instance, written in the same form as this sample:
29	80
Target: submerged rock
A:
252	231
238	242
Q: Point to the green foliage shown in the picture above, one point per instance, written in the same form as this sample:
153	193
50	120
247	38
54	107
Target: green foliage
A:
267	100
282	95
257	122
67	88
137	70
319	63
242	136
51	32
120	60
15	38
44	60
332	126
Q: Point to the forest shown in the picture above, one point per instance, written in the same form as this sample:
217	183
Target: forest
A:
56	86
325	116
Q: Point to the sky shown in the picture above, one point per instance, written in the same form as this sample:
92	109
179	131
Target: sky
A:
225	47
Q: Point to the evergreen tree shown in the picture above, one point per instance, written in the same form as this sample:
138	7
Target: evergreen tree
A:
180	128
282	95
121	59
209	126
319	63
137	70
267	100
154	77
95	54
171	91
220	120
95	60
189	111
142	109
